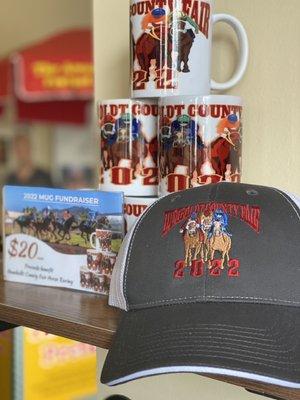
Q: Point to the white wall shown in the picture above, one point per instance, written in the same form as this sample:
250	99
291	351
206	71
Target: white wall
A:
22	22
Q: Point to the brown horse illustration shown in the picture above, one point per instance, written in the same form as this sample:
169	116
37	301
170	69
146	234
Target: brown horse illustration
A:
183	40
192	241
45	229
153	46
180	156
205	223
25	222
226	150
221	242
117	145
124	148
108	134
183	153
176	149
163	42
165	138
180	151
64	228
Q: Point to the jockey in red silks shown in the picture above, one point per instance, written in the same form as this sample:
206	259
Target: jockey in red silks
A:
230	123
153	20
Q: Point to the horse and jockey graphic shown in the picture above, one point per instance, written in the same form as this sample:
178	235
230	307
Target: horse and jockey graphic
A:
226	148
178	139
167	39
121	139
129	148
206	234
187	142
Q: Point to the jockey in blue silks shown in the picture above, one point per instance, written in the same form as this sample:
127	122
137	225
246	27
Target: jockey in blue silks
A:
91	218
132	124
46	211
111	139
186	124
135	128
193	216
108	130
221	217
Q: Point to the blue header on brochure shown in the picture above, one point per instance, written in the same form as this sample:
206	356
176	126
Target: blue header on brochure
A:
18	197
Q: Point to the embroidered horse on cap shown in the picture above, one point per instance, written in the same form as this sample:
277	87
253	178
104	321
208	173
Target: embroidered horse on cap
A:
191	235
206	234
219	239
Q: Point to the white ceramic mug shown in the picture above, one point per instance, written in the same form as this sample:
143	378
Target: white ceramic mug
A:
171	47
100	240
200	141
98	283
134	208
107	263
128	146
94	259
86	278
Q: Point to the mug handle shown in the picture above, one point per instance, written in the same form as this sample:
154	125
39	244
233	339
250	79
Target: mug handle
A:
244	51
94	246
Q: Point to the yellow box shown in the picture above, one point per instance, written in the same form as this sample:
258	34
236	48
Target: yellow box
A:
55	368
6	364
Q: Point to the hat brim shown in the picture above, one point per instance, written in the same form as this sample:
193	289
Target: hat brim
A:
258	342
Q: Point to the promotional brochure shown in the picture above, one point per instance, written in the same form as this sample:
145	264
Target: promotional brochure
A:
63	238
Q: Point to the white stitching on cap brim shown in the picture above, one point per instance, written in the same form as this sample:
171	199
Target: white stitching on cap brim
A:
206	370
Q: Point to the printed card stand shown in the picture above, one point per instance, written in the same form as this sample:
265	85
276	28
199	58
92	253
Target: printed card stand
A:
62	238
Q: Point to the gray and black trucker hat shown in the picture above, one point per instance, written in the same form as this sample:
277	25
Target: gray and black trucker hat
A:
210	282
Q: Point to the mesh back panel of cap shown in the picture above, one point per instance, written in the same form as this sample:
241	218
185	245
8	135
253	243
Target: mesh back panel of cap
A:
293	197
116	293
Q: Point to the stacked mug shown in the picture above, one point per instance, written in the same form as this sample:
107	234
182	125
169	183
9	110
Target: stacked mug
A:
173	134
100	260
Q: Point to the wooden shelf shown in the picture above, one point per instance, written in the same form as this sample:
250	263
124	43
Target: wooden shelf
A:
76	315
84	317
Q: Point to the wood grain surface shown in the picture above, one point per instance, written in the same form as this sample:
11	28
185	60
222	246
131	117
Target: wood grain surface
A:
76	315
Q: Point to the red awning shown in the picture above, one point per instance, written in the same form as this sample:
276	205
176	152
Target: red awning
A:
5	79
53	112
58	68
5	82
51	81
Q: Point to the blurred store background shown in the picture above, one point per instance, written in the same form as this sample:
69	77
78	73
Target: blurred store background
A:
46	140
